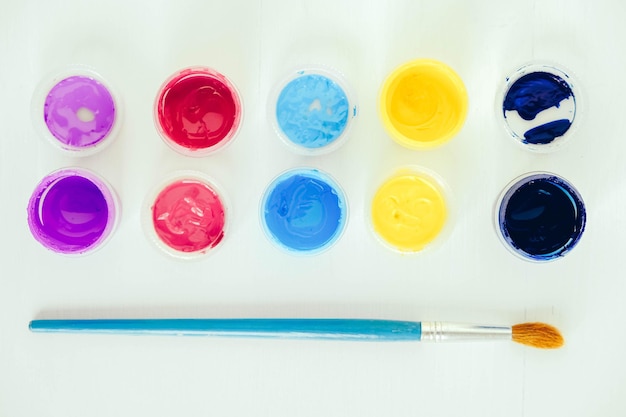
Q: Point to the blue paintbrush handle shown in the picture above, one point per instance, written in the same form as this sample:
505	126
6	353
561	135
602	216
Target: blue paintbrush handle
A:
336	329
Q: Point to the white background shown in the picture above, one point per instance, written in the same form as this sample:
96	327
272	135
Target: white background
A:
470	277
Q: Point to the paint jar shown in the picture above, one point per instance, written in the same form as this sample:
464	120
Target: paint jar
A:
77	111
186	215
410	210
73	211
540	105
198	111
304	211
540	217
423	104
312	110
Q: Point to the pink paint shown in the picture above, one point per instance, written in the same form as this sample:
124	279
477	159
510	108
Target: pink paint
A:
189	216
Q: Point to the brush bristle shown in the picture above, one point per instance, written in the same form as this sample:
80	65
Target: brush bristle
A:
539	335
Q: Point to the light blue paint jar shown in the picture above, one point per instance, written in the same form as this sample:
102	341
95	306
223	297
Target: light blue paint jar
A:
303	211
312	110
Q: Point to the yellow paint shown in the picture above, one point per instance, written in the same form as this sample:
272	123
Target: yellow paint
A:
423	104
409	211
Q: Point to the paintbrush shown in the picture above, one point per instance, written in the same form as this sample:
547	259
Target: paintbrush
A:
539	335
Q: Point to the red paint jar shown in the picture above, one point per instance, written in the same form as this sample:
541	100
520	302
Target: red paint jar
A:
198	111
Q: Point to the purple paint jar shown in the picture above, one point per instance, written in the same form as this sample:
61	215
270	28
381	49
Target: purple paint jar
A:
77	111
72	211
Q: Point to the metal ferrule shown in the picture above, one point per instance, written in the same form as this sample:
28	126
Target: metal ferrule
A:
437	331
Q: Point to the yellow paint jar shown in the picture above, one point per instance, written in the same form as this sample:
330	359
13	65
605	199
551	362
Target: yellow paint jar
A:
409	210
423	104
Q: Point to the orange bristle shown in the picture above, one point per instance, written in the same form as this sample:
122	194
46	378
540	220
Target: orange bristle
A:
539	335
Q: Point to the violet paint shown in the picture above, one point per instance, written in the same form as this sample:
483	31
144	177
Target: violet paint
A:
72	211
79	111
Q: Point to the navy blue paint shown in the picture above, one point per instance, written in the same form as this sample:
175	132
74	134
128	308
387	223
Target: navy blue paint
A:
546	133
542	217
333	329
536	92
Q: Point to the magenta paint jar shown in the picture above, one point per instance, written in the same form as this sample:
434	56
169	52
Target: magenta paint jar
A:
77	111
73	211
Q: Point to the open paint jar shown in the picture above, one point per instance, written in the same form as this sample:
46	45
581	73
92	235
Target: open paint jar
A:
410	210
540	104
304	211
312	110
73	211
423	104
540	217
186	215
198	111
77	111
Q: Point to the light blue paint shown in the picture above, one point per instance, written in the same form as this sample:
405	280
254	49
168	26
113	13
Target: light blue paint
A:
312	111
304	211
317	329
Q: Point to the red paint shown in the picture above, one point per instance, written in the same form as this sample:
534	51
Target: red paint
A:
198	109
189	216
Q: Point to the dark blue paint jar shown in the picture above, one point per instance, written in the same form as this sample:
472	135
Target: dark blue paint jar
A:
540	105
540	217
